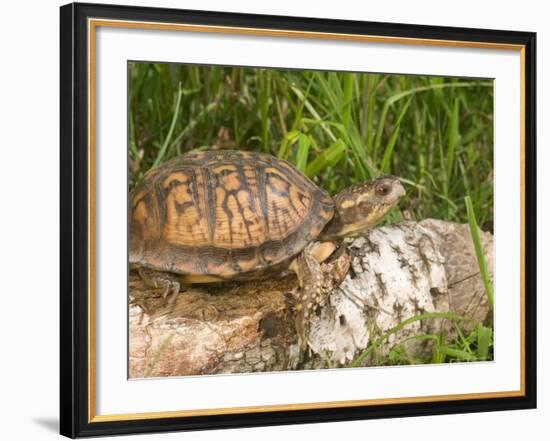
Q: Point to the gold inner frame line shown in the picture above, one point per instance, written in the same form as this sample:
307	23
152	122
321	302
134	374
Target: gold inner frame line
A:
92	25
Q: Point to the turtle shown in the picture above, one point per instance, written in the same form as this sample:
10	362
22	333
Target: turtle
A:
233	215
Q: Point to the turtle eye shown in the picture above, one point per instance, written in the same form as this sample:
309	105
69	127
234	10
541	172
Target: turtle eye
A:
383	189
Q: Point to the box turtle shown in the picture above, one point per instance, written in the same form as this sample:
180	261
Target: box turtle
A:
214	216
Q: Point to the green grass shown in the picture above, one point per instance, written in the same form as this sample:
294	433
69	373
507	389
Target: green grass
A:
339	128
380	340
446	347
435	133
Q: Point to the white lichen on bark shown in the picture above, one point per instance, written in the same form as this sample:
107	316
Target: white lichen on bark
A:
394	270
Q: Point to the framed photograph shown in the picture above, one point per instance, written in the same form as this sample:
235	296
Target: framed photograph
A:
273	220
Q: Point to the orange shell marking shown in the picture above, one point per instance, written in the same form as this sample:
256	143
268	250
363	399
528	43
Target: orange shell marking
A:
186	223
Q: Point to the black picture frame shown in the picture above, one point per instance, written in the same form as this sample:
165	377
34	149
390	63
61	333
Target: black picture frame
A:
75	414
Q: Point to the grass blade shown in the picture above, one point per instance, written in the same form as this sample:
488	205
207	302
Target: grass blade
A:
302	152
384	166
474	230
166	142
328	157
452	139
456	353
484	336
349	79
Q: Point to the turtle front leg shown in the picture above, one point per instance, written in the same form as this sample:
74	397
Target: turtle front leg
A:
317	281
312	290
169	283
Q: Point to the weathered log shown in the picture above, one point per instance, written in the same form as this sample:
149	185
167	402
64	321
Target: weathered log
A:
396	272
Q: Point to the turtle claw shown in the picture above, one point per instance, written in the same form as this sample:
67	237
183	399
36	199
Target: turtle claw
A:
171	293
337	269
169	284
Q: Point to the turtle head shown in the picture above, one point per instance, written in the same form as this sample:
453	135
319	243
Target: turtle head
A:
362	206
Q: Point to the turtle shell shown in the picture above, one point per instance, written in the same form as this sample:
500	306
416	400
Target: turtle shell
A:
224	215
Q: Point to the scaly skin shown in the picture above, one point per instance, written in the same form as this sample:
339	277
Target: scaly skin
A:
312	292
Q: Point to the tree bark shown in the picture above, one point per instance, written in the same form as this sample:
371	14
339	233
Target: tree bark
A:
396	272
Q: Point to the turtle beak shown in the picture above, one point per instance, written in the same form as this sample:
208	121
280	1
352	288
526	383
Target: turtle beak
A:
397	190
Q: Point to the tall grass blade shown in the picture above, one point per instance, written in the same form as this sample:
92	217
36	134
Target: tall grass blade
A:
474	230
166	143
452	139
302	152
384	166
329	157
349	79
